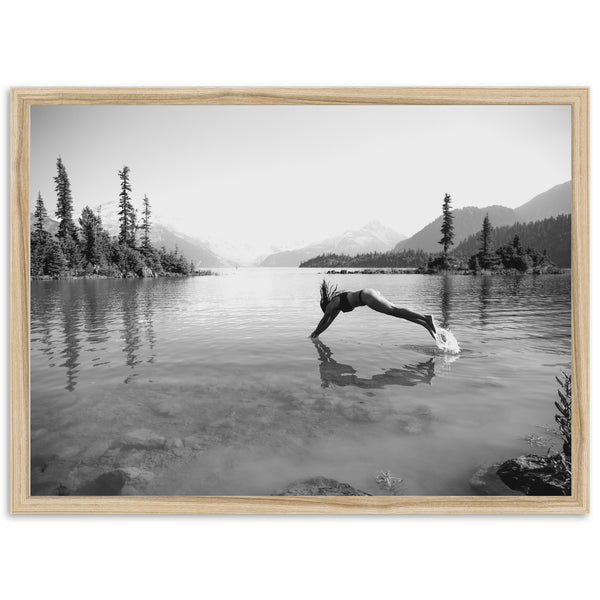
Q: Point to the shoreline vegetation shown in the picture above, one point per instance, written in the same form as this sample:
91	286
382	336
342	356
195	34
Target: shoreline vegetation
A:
548	474
85	250
196	273
507	249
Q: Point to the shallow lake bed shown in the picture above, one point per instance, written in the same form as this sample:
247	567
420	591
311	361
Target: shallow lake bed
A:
211	386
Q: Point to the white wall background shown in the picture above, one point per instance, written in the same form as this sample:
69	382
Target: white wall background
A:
324	43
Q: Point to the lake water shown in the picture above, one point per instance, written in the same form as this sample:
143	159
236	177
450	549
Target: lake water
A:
211	385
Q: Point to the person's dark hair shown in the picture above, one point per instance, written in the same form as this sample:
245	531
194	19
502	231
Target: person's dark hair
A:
328	291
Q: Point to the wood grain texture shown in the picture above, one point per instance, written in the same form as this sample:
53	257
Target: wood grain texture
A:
21	500
580	306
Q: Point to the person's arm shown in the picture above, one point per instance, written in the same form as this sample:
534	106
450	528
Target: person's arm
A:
330	314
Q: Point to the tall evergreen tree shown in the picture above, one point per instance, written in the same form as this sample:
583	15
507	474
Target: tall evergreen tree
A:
127	216
485	258
40	214
146	246
447	229
486	235
67	232
90	236
55	263
39	238
103	241
517	244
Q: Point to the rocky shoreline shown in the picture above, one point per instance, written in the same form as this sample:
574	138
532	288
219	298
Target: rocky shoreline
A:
130	275
419	271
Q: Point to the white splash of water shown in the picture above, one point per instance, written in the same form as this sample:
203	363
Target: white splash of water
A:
446	341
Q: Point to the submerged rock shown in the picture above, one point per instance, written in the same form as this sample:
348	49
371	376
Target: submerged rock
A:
97	449
410	425
133	474
537	475
116	483
108	484
485	482
143	438
319	486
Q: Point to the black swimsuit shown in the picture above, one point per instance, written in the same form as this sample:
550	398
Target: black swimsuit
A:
345	305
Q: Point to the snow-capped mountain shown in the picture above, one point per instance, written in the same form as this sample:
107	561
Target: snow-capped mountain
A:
373	237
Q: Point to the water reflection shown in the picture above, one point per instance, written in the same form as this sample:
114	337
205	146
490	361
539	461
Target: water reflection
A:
339	374
94	320
446	296
72	344
81	323
131	328
485	299
148	312
514	285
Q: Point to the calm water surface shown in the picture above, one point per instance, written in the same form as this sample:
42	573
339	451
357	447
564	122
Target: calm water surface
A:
222	368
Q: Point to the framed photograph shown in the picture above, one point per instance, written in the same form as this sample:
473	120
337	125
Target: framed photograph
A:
299	300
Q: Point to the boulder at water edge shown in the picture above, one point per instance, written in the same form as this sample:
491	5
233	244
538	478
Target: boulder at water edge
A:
319	486
486	482
537	475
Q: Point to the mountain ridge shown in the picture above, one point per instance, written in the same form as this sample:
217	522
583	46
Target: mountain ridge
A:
468	220
373	237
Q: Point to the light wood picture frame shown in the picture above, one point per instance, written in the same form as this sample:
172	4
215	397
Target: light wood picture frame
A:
22	99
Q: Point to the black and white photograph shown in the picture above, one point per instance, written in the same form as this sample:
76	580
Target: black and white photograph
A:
287	300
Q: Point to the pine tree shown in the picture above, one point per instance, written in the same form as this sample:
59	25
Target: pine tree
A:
40	214
146	246
67	232
90	236
64	203
486	234
39	239
127	216
517	245
447	229
55	263
487	259
102	243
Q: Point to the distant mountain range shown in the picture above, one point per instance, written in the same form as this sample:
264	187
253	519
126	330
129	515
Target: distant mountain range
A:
373	237
468	221
551	203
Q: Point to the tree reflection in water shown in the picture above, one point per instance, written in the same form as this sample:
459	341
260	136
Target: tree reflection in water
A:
485	299
446	294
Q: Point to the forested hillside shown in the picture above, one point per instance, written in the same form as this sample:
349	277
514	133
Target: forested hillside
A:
552	235
407	258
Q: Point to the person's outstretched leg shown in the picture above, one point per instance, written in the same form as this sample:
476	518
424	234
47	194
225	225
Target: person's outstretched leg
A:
375	300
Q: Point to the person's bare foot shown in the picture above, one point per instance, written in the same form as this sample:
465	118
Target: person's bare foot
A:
431	323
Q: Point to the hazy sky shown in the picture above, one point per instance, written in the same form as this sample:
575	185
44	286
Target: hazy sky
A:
285	173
